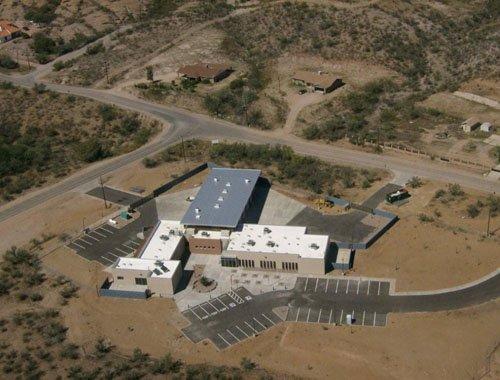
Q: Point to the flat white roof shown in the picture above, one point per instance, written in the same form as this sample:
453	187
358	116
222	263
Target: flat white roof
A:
157	268
278	239
164	241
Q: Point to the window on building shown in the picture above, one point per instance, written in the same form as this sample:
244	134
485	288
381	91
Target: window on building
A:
141	281
120	277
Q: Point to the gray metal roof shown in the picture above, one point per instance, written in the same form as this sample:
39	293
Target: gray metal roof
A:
222	198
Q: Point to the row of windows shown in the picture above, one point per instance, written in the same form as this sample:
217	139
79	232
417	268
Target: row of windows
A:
141	281
268	264
247	263
290	266
205	247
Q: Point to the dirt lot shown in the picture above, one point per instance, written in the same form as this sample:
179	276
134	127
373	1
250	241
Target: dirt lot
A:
412	250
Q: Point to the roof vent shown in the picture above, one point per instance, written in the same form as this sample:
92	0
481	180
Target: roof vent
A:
216	179
270	243
205	233
197	210
164	237
247	181
314	246
251	242
216	205
267	230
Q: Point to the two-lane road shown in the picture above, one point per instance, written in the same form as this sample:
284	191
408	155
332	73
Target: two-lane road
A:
189	124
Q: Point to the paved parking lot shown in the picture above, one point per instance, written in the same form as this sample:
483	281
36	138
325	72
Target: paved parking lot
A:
343	286
228	319
106	243
336	316
87	244
114	195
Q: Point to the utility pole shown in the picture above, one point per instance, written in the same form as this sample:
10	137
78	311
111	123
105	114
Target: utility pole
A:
183	150
103	192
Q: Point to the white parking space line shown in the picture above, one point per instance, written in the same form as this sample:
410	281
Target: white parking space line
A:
210	303
307	280
220	336
363	322
112	254
202	308
105	258
316	287
374	317
341	315
308	313
368	291
337	287
223	304
134	243
241	330
330	319
357	292
132	248
326	288
87	235
249	325
347	287
353	315
105	229
297	317
232	335
78	245
84	241
98	233
122	251
256	320
268	319
378	288
319	316
197	316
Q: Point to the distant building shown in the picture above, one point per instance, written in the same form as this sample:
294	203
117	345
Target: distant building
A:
8	31
486	127
214	72
318	82
470	125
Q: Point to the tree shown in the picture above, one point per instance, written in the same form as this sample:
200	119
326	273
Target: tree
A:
150	73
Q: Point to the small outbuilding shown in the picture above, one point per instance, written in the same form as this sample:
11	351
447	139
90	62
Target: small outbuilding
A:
214	72
470	125
8	31
317	82
486	127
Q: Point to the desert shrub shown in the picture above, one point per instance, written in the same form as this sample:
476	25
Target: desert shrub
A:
472	210
36	297
107	112
439	193
165	365
70	351
70	290
206	281
455	190
247	364
7	62
95	49
149	162
102	347
415	182
43	14
92	150
129	125
425	218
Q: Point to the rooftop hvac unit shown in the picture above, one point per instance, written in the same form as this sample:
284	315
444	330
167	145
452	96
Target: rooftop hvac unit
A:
197	210
198	216
314	246
270	243
205	233
251	242
267	230
216	179
164	237
247	181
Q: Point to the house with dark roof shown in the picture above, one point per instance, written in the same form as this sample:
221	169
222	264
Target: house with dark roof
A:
317	81
214	72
